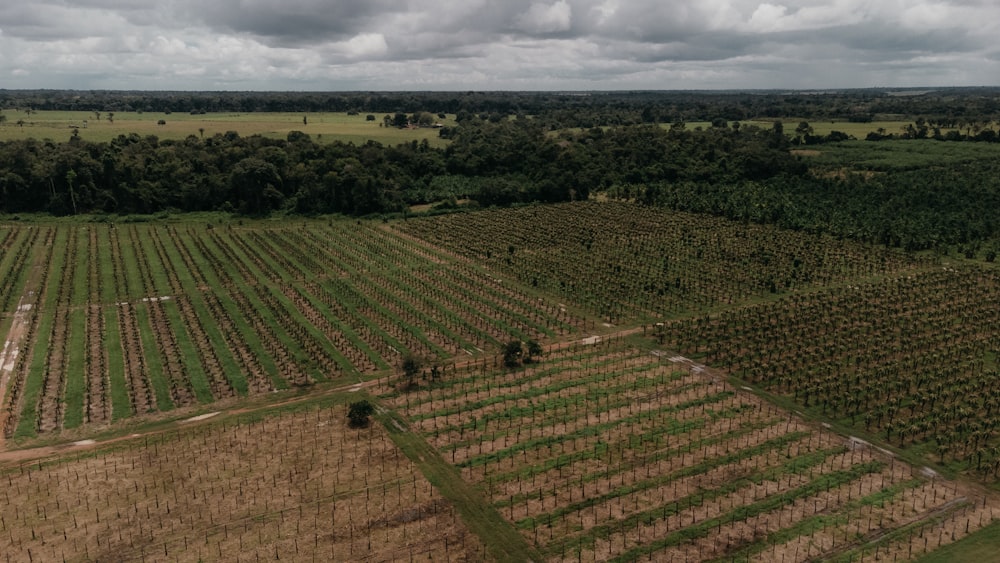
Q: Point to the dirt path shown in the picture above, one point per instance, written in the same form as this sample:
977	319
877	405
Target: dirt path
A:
8	357
28	454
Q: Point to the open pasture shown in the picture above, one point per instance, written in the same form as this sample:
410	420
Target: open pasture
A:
604	452
126	319
294	485
322	127
629	262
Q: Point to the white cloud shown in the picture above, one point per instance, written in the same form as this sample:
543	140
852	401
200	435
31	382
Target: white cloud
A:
485	44
545	18
767	17
363	45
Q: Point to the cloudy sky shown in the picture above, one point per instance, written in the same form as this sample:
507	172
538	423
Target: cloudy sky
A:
496	44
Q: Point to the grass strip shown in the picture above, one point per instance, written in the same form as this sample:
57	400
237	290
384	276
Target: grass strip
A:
698	469
596	452
554	411
818	522
502	541
821	483
76	385
121	406
595	429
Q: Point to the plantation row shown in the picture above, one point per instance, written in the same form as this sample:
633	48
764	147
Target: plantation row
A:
913	358
297	485
629	261
604	452
129	319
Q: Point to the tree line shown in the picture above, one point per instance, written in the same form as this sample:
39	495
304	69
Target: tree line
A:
493	163
744	172
565	109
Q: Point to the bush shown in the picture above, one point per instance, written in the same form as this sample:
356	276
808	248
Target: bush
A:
358	413
512	354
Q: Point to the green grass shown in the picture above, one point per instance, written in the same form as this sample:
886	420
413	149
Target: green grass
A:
823	482
151	355
322	127
980	547
887	156
76	387
196	301
27	424
189	355
121	407
500	538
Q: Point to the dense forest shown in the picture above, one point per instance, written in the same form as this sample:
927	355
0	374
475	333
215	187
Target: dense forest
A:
499	155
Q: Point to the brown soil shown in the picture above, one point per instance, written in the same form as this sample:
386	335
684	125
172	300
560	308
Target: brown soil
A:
300	485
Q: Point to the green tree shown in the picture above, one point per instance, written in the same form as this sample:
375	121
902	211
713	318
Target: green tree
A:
358	413
803	133
512	353
411	366
533	350
70	179
256	184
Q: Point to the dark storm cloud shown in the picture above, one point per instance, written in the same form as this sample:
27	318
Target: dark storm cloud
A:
460	44
294	21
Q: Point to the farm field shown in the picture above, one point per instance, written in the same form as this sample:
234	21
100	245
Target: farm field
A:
628	262
822	128
120	320
640	432
603	451
912	359
295	484
322	127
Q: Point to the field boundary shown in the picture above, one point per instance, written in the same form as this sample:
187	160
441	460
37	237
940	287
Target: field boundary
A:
499	536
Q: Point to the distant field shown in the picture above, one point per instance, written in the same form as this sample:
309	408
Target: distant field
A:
322	127
821	127
628	262
889	155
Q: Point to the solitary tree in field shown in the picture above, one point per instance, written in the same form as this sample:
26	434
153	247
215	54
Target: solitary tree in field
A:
512	354
411	365
359	412
803	132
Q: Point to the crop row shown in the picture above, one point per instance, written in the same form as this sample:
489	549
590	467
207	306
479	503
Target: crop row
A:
140	318
913	358
606	452
299	485
628	261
